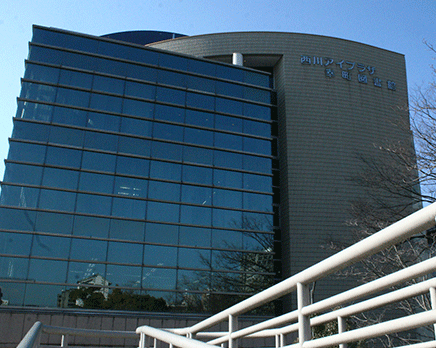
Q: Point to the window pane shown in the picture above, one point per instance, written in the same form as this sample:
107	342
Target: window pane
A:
165	170
33	111
195	236
119	252
78	271
57	200
196	215
227	239
161	233
41	73
98	161
69	116
106	102
257	182
72	97
130	187
166	151
199	118
225	178
20	173
168	132
228	141
104	122
38	270
96	182
30	131
128	230
141	72
133	166
198	136
34	91
134	146
108	84
169	113
128	208
18	220
127	276
196	195
51	246
88	250
158	278
27	152
201	84
141	90
257	164
13	268
228	106
75	79
227	198
63	157
198	100
257	146
169	95
19	196
228	123
66	136
171	78
227	218
93	204
194	258
197	155
164	191
54	223
257	128
136	127
138	108
157	255
198	175
15	243
60	178
228	159
257	111
164	212
254	201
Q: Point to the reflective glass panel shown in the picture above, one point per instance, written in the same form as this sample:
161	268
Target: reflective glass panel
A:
96	182
198	136
138	108
13	268
171	78
228	159
91	226
128	208
127	230
194	258
88	249
78	271
157	255
196	215
196	195
141	90
257	128
15	243
63	157
136	127
228	123
164	212
108	84
169	95
257	146
169	113
75	79
93	204
57	200
166	151
228	106
226	178
41	73
98	161
198	175
119	252
227	239
134	146
30	131
195	236
164	191
60	178
106	102
254	201
257	111
159	278
33	111
257	164
126	276
19	196
18	220
130	187
66	136
20	173
199	118
201	84
258	182
168	132
38	270
97	120
228	141
69	116
165	170
198	155
161	233
51	246
201	101
54	223
26	152
133	166
227	218
72	97
227	198
34	91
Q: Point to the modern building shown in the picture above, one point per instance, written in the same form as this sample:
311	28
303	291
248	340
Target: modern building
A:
170	173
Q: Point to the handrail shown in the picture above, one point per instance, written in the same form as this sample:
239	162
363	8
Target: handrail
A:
31	340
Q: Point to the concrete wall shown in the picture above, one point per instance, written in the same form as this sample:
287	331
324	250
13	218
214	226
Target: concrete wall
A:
16	322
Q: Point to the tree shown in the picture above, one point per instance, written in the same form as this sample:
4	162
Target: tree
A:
398	182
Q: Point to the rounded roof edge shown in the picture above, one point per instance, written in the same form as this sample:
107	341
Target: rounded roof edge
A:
142	37
184	37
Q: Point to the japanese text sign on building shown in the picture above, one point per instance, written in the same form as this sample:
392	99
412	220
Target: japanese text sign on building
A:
345	69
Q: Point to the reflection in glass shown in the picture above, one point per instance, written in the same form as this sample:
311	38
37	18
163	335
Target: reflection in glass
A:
50	246
128	208
119	252
54	223
194	258
57	200
125	276
15	243
157	255
195	236
196	215
127	230
91	226
162	212
78	271
47	270
161	233
98	161
159	278
88	250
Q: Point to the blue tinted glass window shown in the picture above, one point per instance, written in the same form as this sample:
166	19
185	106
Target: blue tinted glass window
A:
255	78
166	151
257	111
254	201
15	243
26	152
134	146
196	215
164	212
69	116
78	271
172	61
164	191
54	223
127	52
199	118
124	253
108	84
33	111
228	159
47	55
256	94
201	84
128	208
91	226
50	246
136	127
138	108
66	136
257	164
19	173
64	40
198	175
141	90
111	67
72	97
228	106
75	79
106	102
168	132
196	195
195	236
194	258
18	220
257	221
78	60
228	123
30	131
202	67
130	187
198	155
133	166
169	113
257	182
227	198
41	73
93	204
127	230
225	178
161	233
124	275
165	170
38	92
159	278
257	146
202	101
227	239
96	182
60	178
230	73
157	255
198	136
141	72
88	250
63	157
169	95
19	196
98	161
229	141
227	218
57	200
171	78
38	270
101	141
230	89
102	121
257	128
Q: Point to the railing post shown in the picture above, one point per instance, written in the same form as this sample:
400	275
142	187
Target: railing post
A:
233	326
433	304
342	327
141	340
282	340
303	299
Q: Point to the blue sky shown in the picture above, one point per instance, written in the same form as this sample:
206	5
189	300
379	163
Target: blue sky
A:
396	25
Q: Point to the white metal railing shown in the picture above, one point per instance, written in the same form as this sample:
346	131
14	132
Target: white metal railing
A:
305	316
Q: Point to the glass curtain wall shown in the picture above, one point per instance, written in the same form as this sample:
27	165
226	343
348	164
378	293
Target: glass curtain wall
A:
136	179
